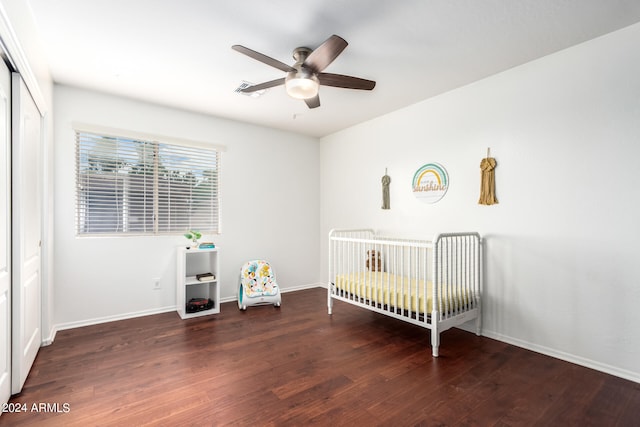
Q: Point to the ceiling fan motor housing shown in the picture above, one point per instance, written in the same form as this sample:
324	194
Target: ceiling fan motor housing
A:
302	83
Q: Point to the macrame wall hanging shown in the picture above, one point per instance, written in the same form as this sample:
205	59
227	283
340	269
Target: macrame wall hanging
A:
488	181
386	180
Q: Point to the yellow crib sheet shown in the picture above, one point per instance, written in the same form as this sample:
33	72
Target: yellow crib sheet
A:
396	291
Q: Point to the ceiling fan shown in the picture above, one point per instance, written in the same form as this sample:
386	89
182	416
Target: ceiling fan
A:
305	76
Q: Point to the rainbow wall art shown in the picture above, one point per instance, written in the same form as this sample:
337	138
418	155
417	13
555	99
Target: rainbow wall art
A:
430	182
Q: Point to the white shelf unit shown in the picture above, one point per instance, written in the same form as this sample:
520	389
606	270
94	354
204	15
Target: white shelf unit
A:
190	263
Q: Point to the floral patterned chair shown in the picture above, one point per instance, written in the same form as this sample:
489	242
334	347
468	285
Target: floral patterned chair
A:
257	285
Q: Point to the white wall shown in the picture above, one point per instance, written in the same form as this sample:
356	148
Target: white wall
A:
270	210
562	250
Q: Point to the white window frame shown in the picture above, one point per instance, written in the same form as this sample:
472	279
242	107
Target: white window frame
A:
155	185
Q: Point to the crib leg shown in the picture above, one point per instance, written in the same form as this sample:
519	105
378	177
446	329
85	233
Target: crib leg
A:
435	342
478	325
329	301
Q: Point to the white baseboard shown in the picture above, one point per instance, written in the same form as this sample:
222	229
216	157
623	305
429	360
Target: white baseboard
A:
48	340
303	287
567	357
95	321
282	290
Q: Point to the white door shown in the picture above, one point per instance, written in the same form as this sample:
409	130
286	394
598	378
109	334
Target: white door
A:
26	236
5	233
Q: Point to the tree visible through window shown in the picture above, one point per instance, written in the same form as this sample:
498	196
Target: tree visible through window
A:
136	186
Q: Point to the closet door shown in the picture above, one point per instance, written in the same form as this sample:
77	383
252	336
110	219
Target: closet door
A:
5	233
26	236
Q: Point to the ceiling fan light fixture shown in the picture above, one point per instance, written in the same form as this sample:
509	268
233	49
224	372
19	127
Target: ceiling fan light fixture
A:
301	86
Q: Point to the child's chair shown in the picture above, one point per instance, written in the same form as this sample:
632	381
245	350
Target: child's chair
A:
257	285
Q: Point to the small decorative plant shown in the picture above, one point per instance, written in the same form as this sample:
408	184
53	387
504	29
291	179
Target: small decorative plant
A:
193	235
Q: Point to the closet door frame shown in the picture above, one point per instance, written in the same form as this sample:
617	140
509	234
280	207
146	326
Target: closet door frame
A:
5	233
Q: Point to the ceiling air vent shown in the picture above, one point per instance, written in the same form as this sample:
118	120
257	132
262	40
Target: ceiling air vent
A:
245	84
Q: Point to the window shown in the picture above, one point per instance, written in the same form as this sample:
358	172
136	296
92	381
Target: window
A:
145	186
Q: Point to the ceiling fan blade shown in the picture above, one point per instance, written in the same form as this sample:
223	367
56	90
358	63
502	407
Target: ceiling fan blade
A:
262	58
265	85
324	55
313	102
348	82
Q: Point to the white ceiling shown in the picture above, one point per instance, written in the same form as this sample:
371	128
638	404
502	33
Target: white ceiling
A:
178	52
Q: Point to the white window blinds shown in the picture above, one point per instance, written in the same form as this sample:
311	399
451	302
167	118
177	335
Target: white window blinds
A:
137	186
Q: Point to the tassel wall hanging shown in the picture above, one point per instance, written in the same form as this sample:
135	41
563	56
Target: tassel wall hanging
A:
488	181
386	180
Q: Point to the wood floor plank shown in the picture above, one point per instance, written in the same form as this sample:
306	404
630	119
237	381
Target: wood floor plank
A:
296	365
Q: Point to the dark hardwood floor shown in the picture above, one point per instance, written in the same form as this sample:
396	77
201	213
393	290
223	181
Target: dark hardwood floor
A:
295	365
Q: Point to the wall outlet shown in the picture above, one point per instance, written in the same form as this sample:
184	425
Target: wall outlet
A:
156	283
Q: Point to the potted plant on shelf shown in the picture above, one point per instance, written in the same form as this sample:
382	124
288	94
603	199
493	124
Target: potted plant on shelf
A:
194	236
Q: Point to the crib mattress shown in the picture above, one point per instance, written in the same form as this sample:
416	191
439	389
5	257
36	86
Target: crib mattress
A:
397	291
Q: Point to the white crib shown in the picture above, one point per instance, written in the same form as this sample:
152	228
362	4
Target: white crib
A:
433	284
